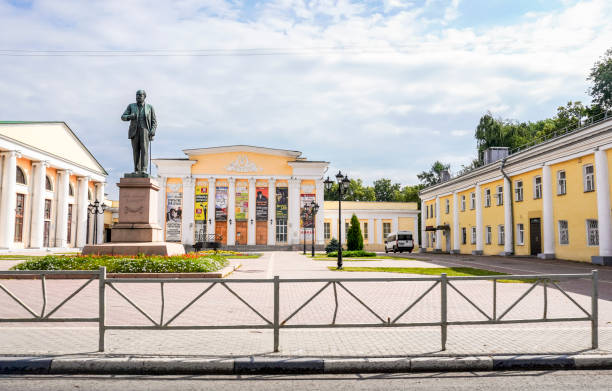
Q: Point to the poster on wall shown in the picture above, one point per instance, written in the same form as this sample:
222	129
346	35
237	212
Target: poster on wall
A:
261	204
174	211
221	203
306	217
201	201
282	196
242	200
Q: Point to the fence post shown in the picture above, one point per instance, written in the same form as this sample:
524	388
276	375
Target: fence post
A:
594	312
101	307
276	312
443	314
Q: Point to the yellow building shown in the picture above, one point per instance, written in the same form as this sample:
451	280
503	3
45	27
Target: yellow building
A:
551	200
377	220
49	179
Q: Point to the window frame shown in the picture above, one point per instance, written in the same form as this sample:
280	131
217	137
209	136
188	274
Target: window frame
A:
560	233
447	206
326	230
386	232
488	234
473	235
18	235
520	230
463	202
518	191
588	233
463	235
537	187
19	172
473	200
499	195
487	197
501	234
365	230
586	176
561	183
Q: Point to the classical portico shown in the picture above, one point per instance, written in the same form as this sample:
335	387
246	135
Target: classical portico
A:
246	195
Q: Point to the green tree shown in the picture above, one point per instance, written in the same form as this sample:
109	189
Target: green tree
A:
434	175
410	194
358	192
354	240
384	190
601	77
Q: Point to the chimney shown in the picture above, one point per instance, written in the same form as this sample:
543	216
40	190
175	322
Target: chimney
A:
494	154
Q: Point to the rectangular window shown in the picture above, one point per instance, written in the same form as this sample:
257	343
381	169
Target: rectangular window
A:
499	195
327	231
537	187
386	229
473	241
561	183
346	228
518	191
19	217
281	230
592	233
563	232
487	198
463	203
472	200
589	178
501	234
520	237
426	212
47	209
463	236
435	210
69	227
447	206
488	236
365	231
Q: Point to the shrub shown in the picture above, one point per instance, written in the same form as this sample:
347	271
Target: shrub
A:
332	246
354	240
356	253
187	263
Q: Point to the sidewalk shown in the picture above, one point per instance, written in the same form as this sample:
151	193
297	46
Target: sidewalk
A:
354	346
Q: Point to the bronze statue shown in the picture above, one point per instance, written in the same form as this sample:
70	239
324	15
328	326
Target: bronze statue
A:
142	130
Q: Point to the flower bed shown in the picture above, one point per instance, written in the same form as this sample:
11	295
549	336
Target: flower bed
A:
187	263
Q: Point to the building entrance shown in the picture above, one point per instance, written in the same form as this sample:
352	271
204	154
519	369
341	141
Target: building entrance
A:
221	230
535	236
241	233
261	232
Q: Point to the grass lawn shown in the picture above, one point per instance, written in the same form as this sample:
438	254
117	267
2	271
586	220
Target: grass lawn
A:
432	271
246	256
16	257
376	258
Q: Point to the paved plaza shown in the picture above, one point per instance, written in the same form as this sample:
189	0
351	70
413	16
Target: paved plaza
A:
387	299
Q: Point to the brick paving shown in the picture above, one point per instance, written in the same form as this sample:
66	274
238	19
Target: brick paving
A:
387	299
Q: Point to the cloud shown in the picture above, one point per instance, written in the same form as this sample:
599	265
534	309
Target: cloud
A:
373	87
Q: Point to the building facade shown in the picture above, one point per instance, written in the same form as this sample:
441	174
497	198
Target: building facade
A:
245	195
551	200
48	180
377	220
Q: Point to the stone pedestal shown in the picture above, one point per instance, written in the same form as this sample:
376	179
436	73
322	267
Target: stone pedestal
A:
137	230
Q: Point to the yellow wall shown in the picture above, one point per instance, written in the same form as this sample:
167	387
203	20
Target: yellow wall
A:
429	221
492	216
527	209
446	219
210	164
565	207
467	219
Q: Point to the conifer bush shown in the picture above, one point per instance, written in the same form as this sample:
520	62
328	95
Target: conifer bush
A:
354	240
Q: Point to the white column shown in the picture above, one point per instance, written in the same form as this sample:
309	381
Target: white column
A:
342	223
395	224
38	204
548	226
415	232
82	203
271	212
212	188
293	225
251	218
61	224
438	232
320	220
508	226
604	221
100	227
456	232
231	212
8	199
334	226
161	215
479	244
371	238
423	232
187	217
379	231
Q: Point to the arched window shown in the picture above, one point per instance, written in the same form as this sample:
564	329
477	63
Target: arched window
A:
70	190
48	184
20	176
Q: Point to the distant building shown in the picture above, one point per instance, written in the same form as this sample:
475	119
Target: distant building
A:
550	200
48	179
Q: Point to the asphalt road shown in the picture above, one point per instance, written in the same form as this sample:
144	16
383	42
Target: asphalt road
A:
499	381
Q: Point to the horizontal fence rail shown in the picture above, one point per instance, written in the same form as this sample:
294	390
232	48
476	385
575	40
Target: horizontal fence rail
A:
442	284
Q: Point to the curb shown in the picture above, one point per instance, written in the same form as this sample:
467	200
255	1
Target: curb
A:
265	365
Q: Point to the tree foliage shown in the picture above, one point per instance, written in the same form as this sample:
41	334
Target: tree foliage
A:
354	240
434	175
384	190
601	77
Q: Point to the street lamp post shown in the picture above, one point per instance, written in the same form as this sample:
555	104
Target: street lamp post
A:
304	214
96	209
315	208
343	186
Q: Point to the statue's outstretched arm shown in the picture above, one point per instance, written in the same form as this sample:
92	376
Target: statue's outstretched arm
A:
127	114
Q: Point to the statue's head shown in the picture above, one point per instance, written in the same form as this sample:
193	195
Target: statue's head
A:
140	96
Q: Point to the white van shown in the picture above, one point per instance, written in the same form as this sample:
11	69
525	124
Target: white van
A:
399	241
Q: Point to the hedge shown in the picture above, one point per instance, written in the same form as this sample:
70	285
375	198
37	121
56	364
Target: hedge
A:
356	253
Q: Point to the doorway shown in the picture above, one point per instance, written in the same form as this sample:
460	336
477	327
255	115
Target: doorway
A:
447	241
535	236
241	232
261	232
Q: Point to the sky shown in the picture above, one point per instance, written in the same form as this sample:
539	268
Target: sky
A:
377	88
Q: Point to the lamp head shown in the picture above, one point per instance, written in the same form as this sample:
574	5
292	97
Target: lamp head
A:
328	184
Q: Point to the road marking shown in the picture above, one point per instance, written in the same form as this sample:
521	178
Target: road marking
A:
270	269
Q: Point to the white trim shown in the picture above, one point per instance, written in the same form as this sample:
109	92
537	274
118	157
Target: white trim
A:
571	157
242	148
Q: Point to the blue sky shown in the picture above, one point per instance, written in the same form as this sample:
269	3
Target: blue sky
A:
378	88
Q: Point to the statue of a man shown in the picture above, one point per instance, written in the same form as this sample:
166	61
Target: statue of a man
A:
142	130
